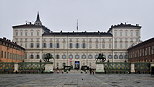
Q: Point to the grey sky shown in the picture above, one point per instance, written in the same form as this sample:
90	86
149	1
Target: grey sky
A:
93	15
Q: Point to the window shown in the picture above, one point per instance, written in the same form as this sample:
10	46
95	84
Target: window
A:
37	45
57	45
77	45
70	56
121	45
126	45
71	46
31	33
31	45
109	45
152	49
57	56
16	33
70	40
115	45
44	45
146	51
126	32
64	56
90	56
131	33
96	45
126	56
137	33
120	33
31	56
50	45
77	56
83	45
96	56
25	33
90	45
83	56
21	33
103	45
115	33
37	33
115	56
37	56
109	56
57	65
120	56
2	54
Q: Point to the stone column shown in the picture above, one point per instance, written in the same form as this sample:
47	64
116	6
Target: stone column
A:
100	68
16	67
151	66
132	68
48	68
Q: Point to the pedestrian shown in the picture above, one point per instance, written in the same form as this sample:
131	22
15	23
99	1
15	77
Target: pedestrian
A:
93	72
90	70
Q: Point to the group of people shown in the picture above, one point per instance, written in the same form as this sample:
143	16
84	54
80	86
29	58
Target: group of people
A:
92	71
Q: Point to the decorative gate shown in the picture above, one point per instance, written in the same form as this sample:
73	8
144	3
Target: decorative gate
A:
142	67
117	67
31	67
6	67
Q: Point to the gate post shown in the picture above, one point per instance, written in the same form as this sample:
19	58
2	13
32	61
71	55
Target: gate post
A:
132	68
16	67
152	68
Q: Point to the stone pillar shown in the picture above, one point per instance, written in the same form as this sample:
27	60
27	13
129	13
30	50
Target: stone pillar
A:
132	68
16	67
100	68
152	65
151	68
48	68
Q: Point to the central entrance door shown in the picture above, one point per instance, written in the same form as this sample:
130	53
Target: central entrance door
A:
77	65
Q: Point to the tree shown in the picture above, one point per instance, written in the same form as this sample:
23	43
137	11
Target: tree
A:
47	57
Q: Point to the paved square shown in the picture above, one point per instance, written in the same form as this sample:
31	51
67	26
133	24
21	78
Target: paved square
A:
76	80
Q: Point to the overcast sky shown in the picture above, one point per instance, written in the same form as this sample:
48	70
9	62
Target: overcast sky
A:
93	15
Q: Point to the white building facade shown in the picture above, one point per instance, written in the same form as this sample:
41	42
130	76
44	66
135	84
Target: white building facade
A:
75	48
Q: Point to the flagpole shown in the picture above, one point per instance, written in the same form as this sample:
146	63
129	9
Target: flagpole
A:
77	25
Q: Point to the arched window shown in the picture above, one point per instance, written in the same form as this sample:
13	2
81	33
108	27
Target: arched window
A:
70	56
120	56
31	56
71	45
83	56
115	56
110	56
57	56
77	56
96	56
90	56
37	56
64	56
77	45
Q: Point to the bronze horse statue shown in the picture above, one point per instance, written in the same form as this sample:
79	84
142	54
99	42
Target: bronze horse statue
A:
101	58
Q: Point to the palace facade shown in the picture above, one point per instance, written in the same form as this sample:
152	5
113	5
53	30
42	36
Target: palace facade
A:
142	52
10	51
76	48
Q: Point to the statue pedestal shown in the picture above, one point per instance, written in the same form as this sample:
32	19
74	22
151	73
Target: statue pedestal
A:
100	68
132	68
48	68
16	67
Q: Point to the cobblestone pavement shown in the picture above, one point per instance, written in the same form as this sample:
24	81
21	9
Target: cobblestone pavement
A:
76	80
